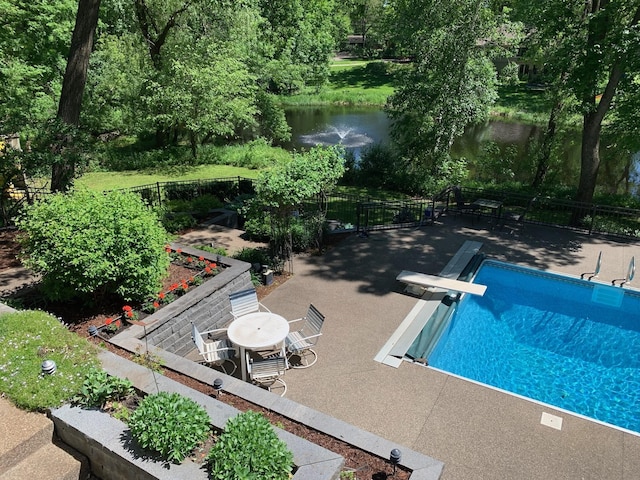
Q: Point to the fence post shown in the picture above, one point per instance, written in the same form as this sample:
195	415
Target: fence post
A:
159	197
358	209
594	209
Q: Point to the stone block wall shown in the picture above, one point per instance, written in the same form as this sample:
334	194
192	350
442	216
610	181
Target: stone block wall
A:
207	306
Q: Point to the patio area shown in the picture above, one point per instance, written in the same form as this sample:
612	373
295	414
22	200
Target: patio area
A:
478	432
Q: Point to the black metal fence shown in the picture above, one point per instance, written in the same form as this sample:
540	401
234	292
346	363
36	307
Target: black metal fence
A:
362	214
225	189
356	213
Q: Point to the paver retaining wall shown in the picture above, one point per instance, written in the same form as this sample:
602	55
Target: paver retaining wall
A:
207	306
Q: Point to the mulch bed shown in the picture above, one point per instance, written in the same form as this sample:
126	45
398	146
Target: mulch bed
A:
78	319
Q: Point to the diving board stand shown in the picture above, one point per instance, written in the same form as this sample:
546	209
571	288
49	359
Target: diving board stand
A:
393	351
434	281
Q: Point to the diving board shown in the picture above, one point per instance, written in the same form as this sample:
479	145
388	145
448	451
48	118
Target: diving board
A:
425	281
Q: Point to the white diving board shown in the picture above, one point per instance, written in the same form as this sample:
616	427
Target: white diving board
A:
425	281
394	349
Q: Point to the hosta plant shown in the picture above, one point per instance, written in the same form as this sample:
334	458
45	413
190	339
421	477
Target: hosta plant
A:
169	424
250	449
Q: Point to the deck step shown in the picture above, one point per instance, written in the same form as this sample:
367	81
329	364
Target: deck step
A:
27	448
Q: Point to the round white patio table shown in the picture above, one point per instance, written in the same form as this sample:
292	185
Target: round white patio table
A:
257	331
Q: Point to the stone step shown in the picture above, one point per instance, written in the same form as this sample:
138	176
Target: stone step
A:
27	448
49	462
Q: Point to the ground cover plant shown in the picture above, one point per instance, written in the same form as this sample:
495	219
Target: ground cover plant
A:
30	337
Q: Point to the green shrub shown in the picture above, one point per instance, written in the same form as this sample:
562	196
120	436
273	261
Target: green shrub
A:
86	243
169	424
99	388
253	255
249	449
30	337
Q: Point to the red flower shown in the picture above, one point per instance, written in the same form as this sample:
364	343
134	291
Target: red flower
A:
192	280
207	270
118	323
161	296
201	259
156	305
179	250
213	265
185	286
189	259
108	321
129	314
173	287
167	249
127	308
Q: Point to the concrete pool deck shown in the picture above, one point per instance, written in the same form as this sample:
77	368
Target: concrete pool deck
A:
478	432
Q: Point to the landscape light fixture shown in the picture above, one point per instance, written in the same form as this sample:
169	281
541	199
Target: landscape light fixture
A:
217	386
394	458
48	367
93	330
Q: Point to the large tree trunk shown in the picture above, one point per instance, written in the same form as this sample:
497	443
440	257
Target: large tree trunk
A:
544	153
73	84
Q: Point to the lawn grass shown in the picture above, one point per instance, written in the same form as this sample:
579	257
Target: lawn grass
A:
351	82
30	337
101	181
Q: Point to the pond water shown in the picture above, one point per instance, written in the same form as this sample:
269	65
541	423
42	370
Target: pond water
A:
358	127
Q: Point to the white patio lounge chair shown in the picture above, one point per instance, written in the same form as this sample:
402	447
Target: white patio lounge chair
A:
245	302
301	342
215	348
267	372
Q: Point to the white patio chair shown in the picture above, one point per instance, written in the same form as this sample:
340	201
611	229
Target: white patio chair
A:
215	348
245	302
267	372
301	342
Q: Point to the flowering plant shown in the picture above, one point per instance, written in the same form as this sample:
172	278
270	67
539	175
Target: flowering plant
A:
129	313
112	325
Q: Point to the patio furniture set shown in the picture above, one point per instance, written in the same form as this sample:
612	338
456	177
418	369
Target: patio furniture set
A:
493	209
263	341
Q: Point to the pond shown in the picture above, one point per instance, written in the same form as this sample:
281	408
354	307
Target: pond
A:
356	128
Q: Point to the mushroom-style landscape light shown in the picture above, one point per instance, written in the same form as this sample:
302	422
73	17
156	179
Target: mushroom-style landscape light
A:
394	458
48	367
217	386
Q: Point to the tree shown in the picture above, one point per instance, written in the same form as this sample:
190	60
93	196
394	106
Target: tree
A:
73	83
34	41
451	83
282	190
299	39
593	52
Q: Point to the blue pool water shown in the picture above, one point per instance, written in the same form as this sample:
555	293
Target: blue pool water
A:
566	342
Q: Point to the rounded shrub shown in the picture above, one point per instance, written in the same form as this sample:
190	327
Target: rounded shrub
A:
169	424
250	449
88	244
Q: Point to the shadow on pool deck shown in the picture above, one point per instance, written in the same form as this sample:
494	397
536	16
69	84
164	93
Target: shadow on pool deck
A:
479	432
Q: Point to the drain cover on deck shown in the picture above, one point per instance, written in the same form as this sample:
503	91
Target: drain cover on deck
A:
552	421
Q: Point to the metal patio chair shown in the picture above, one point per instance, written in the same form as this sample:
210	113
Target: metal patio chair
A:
301	342
267	372
461	207
215	348
245	302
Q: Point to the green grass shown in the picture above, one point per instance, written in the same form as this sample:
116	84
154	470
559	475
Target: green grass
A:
100	181
351	82
30	337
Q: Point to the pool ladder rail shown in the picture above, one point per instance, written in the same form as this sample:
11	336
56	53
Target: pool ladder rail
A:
631	271
595	273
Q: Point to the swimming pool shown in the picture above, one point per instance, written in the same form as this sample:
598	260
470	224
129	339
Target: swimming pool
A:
570	343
